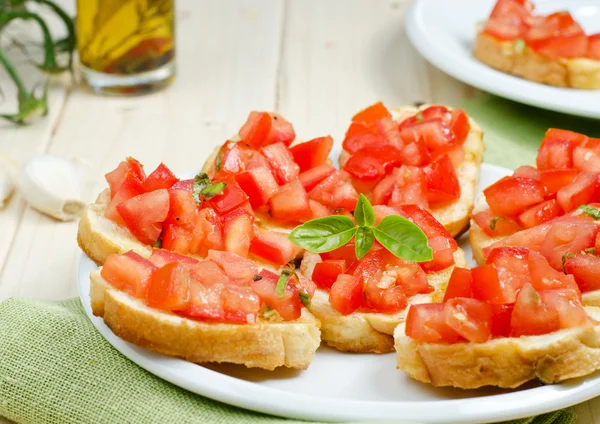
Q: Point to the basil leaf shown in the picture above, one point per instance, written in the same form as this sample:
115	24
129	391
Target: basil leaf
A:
494	220
213	189
564	259
364	213
590	250
201	181
323	234
282	282
589	210
364	241
158	243
403	238
219	160
304	298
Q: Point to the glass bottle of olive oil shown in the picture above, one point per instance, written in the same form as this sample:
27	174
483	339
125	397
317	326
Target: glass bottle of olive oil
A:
126	46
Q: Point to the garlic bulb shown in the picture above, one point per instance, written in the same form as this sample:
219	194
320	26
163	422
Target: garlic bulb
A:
8	171
53	185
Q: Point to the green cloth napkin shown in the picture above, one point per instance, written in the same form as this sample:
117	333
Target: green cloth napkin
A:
56	368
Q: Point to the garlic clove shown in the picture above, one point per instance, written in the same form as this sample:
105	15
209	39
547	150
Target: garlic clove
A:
8	172
53	185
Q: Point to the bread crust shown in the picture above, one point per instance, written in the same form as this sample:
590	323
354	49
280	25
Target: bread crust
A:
503	362
581	73
265	345
364	332
454	216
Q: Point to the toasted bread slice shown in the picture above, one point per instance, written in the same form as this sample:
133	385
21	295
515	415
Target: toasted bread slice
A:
368	331
266	344
519	60
454	216
503	362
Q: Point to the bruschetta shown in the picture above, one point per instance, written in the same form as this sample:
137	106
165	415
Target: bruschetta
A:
509	321
552	49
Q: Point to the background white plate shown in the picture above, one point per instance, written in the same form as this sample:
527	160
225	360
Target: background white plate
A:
443	32
340	386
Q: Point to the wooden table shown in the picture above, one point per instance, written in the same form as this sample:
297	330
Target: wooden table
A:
316	62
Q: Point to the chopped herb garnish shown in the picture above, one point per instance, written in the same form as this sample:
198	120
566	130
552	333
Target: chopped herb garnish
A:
158	243
204	189
219	161
282	282
520	45
495	220
589	210
304	298
213	189
268	312
419	116
564	259
590	250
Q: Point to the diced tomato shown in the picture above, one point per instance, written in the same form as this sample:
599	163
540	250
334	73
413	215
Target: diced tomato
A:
182	208
314	176
443	253
442	183
129	168
359	136
169	287
241	304
318	210
508	20
239	269
236	157
594	47
346	294
290	203
388	128
427	323
335	191
272	246
502	226
238	231
434	132
263	128
129	188
206	302
410	187
176	238
544	277
383	190
207	233
288	306
161	257
281	162
326	272
346	252
586	269
486	286
531	315
556	150
230	198
512	195
415	154
512	267
471	318
501	320
586	159
459	284
208	273
143	214
183	185
372	114
540	213
460	125
386	300
566	237
570	46
555	179
161	177
584	189
527	171
259	184
371	163
568	305
312	153
552	26
129	272
305	285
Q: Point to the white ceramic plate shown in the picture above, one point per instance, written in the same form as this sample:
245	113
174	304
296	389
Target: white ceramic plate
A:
443	32
340	386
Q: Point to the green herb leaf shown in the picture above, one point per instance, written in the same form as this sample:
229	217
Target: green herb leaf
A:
364	241
219	161
364	213
419	116
202	187
520	45
282	282
158	243
268	312
590	250
213	189
494	220
323	234
304	298
403	238
589	210
564	259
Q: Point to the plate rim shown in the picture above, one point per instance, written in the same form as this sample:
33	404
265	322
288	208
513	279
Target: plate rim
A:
276	401
489	79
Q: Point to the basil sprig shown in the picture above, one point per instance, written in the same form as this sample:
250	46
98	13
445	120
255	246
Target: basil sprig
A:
202	188
397	234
